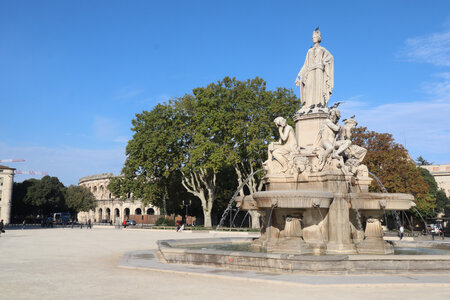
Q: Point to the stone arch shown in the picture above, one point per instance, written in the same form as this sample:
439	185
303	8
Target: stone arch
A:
102	189
95	189
116	212
110	195
100	215
108	213
138	211
150	211
126	213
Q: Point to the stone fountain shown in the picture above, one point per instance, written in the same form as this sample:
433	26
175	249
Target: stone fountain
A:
316	198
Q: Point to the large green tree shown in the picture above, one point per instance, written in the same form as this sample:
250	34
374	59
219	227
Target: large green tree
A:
19	208
79	198
46	195
442	201
154	155
227	123
243	124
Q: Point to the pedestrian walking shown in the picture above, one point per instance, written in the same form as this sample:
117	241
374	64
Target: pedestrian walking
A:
434	231
401	232
2	225
89	224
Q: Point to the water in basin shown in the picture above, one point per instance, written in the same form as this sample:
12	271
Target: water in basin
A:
246	248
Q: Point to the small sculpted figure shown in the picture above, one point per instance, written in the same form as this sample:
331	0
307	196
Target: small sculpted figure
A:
286	145
354	154
316	77
327	138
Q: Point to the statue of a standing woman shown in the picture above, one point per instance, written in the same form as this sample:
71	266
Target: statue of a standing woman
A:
316	78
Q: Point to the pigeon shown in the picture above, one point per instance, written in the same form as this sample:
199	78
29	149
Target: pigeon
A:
320	105
336	105
316	28
312	106
352	117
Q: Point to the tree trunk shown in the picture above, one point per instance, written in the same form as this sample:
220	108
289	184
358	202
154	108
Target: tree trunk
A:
207	216
195	184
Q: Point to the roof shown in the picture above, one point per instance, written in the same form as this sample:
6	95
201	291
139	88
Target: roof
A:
6	167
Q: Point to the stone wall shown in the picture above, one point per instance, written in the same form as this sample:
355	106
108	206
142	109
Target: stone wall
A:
109	208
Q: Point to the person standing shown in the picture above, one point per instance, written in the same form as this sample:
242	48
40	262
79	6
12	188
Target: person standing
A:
89	224
23	224
401	231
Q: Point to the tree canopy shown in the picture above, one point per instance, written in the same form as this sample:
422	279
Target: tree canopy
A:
79	198
225	124
48	195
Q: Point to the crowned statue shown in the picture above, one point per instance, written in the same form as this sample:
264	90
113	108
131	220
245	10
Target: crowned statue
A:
316	77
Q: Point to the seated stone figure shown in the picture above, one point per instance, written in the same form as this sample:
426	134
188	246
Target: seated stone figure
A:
354	154
326	139
280	151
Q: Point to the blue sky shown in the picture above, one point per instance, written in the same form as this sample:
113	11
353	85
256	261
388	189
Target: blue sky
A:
73	74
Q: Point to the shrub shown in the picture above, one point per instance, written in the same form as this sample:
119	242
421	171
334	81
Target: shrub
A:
165	222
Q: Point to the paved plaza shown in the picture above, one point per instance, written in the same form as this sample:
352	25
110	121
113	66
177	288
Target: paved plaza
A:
84	264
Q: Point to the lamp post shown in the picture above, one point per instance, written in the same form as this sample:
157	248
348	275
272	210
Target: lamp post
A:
186	212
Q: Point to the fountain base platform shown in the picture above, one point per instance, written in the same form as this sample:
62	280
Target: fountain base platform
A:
177	251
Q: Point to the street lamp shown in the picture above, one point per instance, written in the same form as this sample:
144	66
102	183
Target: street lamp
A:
186	213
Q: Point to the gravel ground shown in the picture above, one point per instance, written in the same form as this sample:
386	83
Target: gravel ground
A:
83	264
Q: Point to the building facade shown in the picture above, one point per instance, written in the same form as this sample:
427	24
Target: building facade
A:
108	208
6	188
441	174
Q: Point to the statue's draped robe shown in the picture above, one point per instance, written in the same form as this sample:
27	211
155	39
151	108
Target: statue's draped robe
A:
317	77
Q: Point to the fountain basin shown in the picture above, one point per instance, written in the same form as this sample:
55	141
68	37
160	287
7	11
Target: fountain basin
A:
380	201
293	199
172	251
309	199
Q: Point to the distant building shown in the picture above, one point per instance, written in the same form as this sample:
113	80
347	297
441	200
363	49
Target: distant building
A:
441	174
6	188
107	207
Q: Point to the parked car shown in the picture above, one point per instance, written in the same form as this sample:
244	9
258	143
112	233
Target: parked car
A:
130	222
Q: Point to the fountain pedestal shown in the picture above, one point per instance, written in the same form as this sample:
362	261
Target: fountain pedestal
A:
339	231
307	126
374	242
